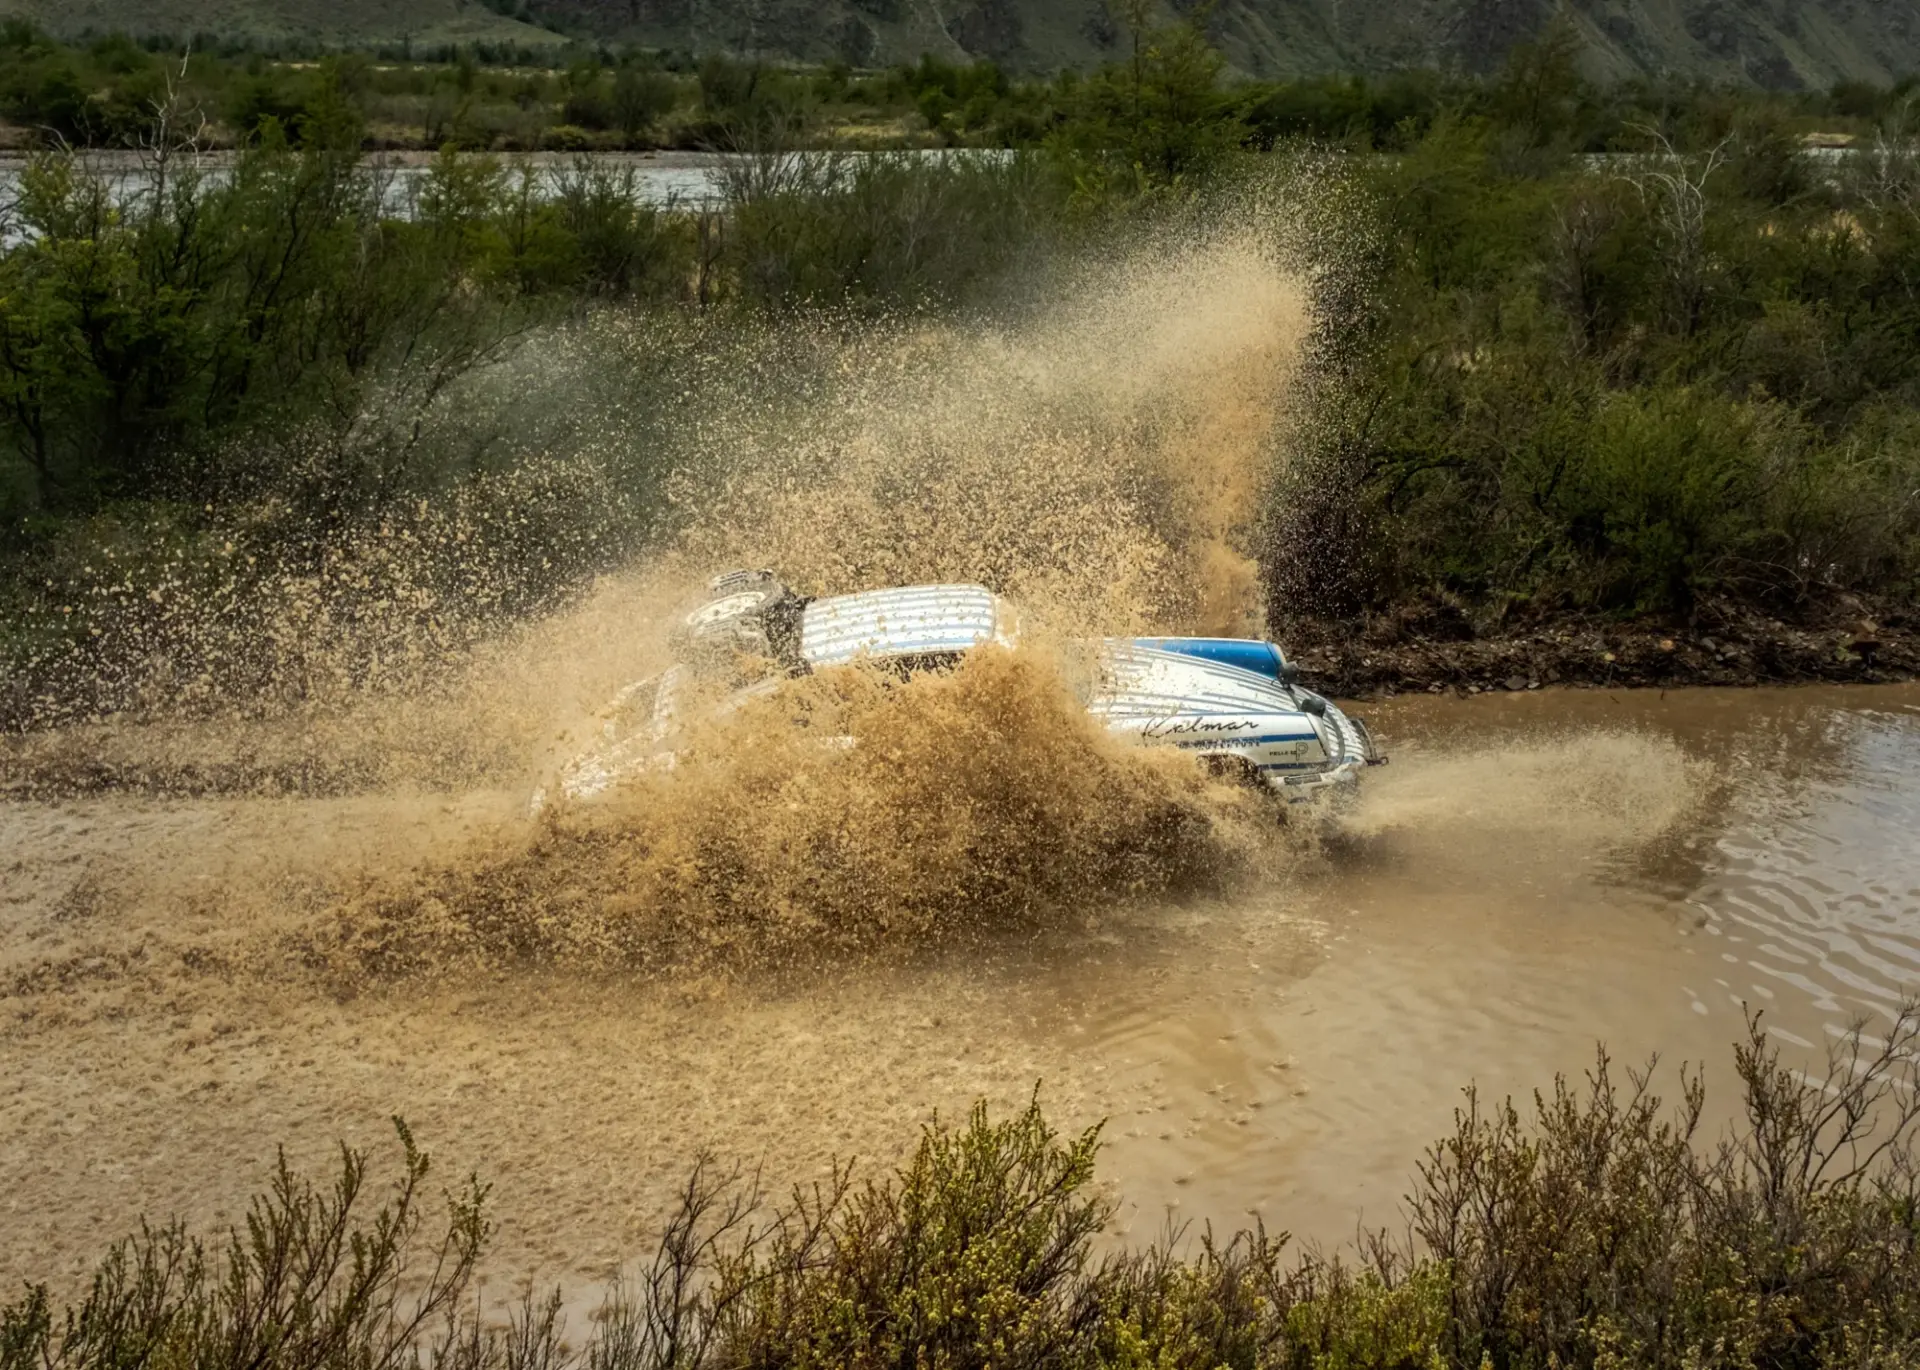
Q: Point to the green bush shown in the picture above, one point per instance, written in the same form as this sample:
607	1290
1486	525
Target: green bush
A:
1620	388
641	98
142	327
881	230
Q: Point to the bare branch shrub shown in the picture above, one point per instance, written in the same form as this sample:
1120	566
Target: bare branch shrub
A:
1674	189
1600	1234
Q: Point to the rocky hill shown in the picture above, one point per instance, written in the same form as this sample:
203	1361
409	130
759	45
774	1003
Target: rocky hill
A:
1771	43
1779	44
343	22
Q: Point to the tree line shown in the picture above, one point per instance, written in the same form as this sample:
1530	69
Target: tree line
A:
1614	349
570	96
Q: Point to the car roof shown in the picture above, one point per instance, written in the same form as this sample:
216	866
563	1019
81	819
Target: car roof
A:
916	620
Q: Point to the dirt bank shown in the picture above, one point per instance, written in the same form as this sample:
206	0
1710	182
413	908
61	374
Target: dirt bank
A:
1436	647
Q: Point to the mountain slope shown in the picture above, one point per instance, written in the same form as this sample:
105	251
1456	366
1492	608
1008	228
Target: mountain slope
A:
1779	44
427	22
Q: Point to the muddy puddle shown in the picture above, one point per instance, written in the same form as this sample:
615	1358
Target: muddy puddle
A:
1531	873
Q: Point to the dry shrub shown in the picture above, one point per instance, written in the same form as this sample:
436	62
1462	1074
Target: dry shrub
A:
312	1280
971	799
1611	1233
1601	1236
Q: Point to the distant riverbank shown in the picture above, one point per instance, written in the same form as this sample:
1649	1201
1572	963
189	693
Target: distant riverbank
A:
1429	648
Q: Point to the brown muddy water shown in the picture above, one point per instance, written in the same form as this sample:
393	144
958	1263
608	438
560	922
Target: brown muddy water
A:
1530	874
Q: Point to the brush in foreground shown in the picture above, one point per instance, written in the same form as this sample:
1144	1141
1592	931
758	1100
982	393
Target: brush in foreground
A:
1603	1233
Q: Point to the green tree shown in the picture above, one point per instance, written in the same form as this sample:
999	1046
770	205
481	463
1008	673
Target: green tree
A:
1161	113
1540	91
642	97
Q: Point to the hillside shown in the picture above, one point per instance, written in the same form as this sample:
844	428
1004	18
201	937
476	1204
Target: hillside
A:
346	22
1777	44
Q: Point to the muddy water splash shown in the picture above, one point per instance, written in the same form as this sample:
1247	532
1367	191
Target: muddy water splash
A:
1101	464
973	802
1102	468
1611	786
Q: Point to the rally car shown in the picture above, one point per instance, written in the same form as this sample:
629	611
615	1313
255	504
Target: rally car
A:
1235	702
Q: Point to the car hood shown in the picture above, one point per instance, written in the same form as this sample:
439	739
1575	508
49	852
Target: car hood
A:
1139	681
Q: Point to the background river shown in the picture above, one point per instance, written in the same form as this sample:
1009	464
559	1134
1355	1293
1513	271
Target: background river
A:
664	180
1532	873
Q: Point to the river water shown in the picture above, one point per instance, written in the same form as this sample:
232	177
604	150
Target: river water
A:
663	180
1536	873
1531	874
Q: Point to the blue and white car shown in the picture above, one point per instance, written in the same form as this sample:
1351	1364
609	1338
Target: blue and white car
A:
1234	702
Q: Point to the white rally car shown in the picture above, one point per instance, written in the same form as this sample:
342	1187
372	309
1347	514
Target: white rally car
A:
1235	702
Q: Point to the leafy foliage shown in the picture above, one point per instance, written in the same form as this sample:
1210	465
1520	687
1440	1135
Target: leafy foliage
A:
1612	349
1617	383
